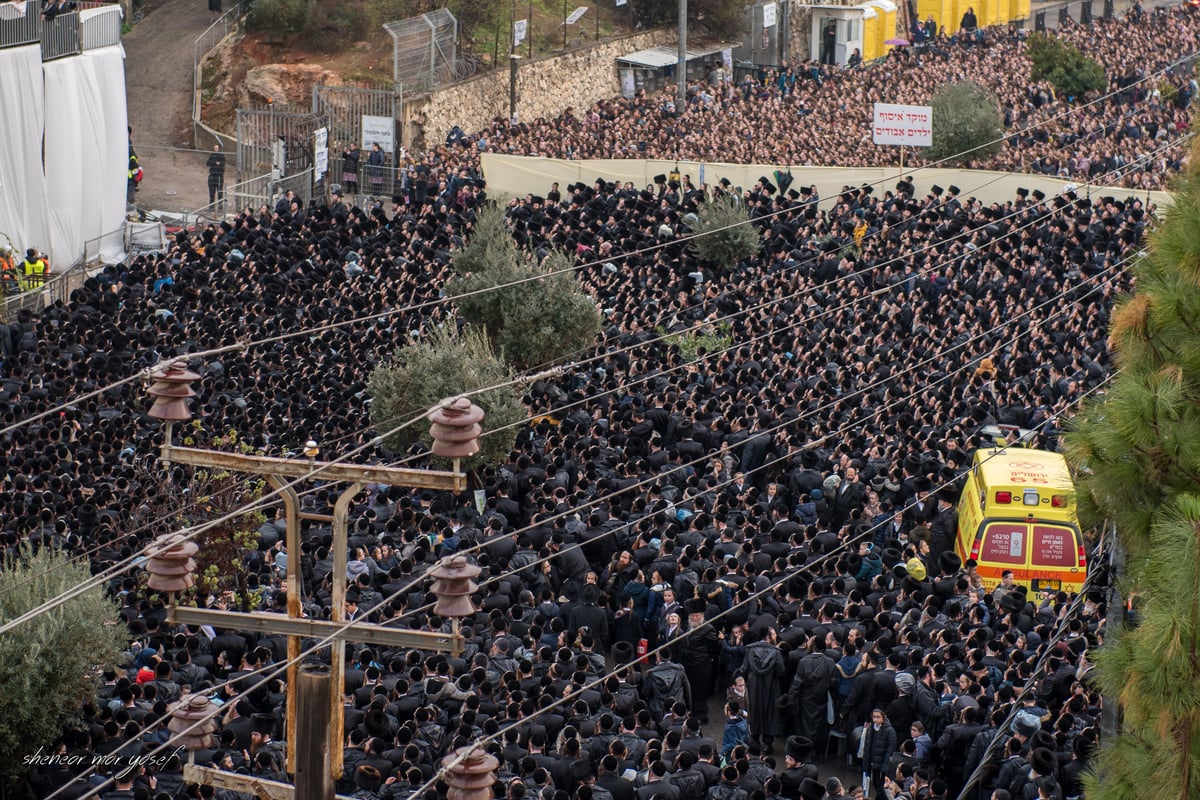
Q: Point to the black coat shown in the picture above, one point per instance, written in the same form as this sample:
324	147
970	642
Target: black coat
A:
666	683
808	695
879	746
763	668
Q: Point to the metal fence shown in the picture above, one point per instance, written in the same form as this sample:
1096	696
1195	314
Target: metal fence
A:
17	29
1052	17
226	24
766	44
424	49
342	108
265	190
103	29
373	181
61	37
274	142
58	288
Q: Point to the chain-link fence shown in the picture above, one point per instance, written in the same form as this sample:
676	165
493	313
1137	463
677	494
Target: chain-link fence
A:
424	50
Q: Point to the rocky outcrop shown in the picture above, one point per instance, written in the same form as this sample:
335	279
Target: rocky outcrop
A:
283	84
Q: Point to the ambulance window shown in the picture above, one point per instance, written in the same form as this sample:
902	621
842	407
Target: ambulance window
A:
1004	543
1054	546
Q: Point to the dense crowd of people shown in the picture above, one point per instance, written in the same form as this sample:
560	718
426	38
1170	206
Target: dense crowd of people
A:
811	114
702	578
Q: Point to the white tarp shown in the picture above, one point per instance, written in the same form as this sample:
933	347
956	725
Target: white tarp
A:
107	64
22	185
86	151
70	140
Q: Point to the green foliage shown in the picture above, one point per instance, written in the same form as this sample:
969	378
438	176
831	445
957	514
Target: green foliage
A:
966	121
473	15
719	18
701	340
278	16
728	237
542	318
445	365
546	319
723	19
1138	456
1168	92
1066	67
490	258
335	26
52	664
198	497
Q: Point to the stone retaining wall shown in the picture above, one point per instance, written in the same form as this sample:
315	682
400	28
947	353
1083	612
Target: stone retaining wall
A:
544	89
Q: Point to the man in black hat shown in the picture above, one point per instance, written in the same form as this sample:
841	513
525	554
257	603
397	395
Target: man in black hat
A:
763	667
811	789
261	742
588	615
944	523
796	768
698	652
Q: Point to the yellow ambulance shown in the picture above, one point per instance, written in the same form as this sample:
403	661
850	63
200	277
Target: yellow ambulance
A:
1017	512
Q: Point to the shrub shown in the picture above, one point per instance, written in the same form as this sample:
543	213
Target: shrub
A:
278	16
1062	64
966	123
443	365
533	322
728	237
547	319
51	665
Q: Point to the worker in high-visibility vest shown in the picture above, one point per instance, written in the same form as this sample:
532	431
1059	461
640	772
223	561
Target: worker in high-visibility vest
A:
9	279
34	270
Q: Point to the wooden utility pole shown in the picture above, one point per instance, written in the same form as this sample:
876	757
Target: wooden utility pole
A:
455	423
311	745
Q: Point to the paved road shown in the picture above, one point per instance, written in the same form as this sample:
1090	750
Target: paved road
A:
158	80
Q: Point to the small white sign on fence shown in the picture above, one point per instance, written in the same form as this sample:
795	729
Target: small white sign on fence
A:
320	153
378	130
576	15
769	15
520	28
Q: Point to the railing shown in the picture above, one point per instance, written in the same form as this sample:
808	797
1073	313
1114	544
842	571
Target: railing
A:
60	37
101	28
262	190
55	290
17	29
381	182
226	24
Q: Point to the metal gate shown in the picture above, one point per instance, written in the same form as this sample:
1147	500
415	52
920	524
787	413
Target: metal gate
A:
274	142
275	154
343	107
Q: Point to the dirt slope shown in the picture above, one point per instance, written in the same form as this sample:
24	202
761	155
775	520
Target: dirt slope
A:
158	79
